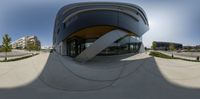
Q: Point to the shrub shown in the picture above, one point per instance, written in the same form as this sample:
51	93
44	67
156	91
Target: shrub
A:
161	55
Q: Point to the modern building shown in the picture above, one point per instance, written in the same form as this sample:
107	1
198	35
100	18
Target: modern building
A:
191	48
21	43
166	45
84	30
46	47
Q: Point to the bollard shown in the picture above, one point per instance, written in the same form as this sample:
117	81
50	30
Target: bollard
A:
197	58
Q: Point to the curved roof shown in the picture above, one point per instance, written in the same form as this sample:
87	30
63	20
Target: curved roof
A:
72	18
71	8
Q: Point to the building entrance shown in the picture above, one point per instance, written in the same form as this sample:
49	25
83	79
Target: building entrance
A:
75	46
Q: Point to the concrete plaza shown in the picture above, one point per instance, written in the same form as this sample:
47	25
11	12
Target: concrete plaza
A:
110	77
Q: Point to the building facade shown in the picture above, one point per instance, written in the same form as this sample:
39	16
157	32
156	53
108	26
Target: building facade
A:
166	45
21	43
192	48
84	30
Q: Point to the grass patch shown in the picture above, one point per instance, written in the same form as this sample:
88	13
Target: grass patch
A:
20	58
2	50
161	55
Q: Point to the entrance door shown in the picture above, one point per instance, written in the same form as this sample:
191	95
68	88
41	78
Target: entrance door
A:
75	47
71	48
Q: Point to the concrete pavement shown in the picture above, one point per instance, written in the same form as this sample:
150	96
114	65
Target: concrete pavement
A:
142	77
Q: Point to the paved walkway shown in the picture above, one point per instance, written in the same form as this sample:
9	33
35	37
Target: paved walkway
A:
143	77
185	55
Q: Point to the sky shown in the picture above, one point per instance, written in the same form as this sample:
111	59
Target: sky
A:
170	20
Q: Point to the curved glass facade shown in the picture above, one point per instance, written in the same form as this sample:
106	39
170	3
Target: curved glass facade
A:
127	44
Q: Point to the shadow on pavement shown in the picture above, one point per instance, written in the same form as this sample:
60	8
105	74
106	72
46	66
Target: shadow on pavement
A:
144	82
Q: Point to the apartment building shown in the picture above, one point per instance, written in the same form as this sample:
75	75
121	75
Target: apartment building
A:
21	43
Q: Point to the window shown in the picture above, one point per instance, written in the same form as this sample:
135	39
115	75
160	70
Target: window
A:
64	25
88	44
58	31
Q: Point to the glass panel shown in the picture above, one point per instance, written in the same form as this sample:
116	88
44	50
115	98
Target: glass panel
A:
129	44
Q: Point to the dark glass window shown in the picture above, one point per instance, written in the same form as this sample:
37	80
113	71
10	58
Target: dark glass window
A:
64	25
128	44
58	31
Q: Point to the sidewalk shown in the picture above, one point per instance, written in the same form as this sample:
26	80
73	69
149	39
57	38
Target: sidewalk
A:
179	56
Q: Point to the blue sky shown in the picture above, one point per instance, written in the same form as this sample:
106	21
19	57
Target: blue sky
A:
170	20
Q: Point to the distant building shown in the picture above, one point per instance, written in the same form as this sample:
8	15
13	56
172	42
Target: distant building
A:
165	45
191	48
46	47
198	46
21	43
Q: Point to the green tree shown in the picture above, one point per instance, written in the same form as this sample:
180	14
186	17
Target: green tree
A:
154	45
30	45
172	47
189	48
6	44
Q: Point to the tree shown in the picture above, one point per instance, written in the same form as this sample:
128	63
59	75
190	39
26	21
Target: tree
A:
172	47
154	45
189	48
6	44
30	45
